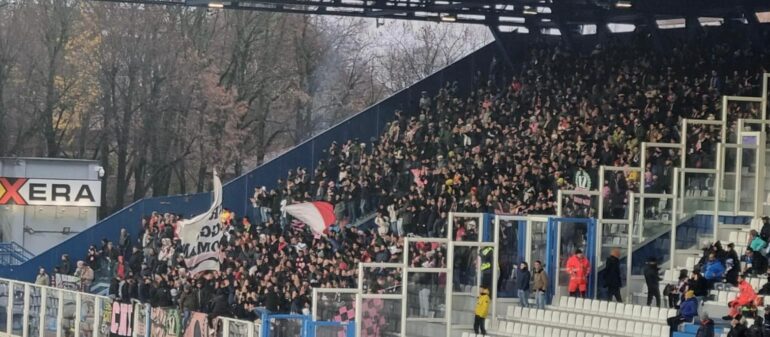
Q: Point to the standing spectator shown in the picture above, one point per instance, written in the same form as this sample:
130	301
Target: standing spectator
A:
578	268
678	290
482	309
732	264
522	283
124	242
86	275
652	278
540	284
65	266
42	278
425	283
612	275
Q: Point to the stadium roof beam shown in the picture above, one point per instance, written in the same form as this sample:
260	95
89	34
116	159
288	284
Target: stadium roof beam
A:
485	11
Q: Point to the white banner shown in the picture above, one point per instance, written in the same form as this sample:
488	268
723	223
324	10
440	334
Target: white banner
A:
68	282
201	235
50	192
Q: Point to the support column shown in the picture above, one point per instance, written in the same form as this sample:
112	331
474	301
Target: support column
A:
497	34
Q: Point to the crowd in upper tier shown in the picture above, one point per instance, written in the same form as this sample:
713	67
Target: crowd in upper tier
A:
507	146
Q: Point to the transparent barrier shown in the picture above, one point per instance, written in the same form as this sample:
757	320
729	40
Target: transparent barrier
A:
578	204
285	325
510	232
380	317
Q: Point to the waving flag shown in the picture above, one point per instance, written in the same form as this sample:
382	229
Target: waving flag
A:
201	235
319	215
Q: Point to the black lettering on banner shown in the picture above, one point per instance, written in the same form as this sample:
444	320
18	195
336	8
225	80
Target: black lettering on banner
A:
85	193
36	192
60	190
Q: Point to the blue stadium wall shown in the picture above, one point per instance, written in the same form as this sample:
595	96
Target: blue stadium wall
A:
364	125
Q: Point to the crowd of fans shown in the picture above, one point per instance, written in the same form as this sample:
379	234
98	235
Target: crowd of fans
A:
505	147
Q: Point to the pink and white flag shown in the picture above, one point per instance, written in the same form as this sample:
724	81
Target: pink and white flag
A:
319	215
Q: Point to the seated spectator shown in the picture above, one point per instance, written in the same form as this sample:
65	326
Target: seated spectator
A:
737	327
764	233
765	290
706	328
732	265
757	329
714	270
746	296
756	264
699	285
756	243
677	291
687	311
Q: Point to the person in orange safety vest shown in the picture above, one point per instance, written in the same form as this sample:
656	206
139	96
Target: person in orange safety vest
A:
578	269
746	296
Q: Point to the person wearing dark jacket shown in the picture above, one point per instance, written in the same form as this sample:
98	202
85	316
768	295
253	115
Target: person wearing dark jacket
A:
698	285
738	329
652	278
706	328
765	290
612	277
144	290
733	265
758	329
135	260
219	305
758	262
160	296
522	284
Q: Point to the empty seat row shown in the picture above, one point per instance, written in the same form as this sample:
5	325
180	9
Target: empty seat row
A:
614	309
531	330
739	238
585	321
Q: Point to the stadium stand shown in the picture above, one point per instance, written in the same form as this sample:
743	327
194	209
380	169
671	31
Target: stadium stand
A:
505	147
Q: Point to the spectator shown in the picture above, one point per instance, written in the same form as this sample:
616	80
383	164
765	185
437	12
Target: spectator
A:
756	244
678	290
765	290
482	309
65	267
757	329
746	296
714	270
706	328
612	276
699	285
738	327
42	278
764	233
652	279
756	264
522	283
86	275
124	242
540	284
732	265
578	268
687	311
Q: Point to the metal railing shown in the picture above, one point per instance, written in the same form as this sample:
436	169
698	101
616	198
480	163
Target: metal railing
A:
13	254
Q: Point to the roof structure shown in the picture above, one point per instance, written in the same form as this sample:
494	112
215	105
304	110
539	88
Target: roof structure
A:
534	15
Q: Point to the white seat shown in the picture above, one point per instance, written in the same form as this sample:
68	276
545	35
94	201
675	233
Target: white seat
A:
604	325
465	334
571	320
629	311
587	305
637	311
510	327
656	330
587	321
663	315
665	330
517	312
548	317
579	303
646	312
581	334
603	306
596	322
732	237
564	333
571	302
629	327
579	320
557	316
572	333
613	325
595	306
539	315
548	331
517	329
540	331
510	312
654	313
647	328
532	314
563	302
532	331
639	329
611	307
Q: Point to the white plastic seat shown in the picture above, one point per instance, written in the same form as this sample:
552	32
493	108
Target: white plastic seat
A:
629	327
596	322
540	331
587	303
579	320
732	237
645	312
510	312
581	334
595	305
532	331
517	329
654	313
548	317
539	315
656	330
604	325
613	325
510	327
564	333
571	320
587	321
637	311
579	303
663	315
548	331
572	333
629	311
603	306
563	302
611	307
517	312
532	314
557	316
571	302
647	329
665	330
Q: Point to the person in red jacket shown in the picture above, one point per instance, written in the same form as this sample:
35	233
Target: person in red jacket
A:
746	296
578	268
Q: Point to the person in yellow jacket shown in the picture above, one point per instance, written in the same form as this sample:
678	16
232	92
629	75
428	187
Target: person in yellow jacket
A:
482	309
